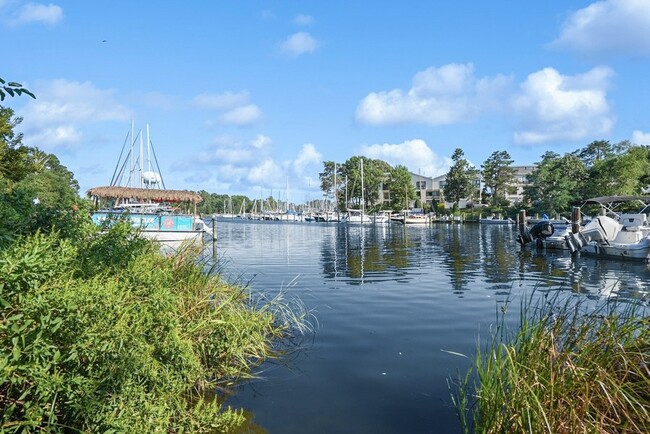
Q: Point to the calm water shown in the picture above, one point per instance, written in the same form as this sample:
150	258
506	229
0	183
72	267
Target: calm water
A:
391	303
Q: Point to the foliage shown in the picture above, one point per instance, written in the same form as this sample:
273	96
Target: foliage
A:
12	89
328	178
36	191
132	346
567	369
555	183
595	152
498	176
459	183
374	175
402	191
620	173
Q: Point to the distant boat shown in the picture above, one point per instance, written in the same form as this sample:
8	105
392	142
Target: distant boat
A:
358	216
496	220
153	210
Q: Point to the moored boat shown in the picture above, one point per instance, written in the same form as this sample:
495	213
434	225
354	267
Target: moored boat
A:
614	234
145	202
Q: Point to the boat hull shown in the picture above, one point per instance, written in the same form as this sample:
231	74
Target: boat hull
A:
636	252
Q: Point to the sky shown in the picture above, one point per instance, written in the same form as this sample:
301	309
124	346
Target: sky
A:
250	97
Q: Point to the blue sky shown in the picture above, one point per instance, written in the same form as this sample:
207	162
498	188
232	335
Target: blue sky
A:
243	97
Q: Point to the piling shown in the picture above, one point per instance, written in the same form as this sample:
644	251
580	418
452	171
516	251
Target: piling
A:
214	239
575	219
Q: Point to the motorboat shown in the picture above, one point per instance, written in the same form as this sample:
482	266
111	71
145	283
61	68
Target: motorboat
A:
496	220
614	234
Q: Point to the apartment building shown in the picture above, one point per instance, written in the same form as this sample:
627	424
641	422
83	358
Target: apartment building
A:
429	189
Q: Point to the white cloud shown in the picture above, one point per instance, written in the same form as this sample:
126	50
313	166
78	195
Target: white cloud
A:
640	138
244	115
308	156
298	44
414	154
552	107
608	27
63	136
438	96
303	20
261	141
39	13
56	117
224	101
266	173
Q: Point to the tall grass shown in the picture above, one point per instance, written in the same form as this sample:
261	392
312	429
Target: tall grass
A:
108	335
568	368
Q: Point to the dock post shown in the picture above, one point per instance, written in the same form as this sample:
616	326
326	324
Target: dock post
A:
524	237
575	219
214	239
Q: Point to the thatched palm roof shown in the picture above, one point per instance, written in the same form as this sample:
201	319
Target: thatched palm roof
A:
145	194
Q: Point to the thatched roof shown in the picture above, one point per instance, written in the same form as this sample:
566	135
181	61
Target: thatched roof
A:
156	195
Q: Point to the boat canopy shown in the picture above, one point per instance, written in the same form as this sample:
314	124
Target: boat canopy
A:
156	195
605	200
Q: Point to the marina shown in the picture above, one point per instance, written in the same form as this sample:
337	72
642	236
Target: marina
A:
394	305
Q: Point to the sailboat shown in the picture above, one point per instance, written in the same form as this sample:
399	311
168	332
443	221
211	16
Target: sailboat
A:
358	216
143	200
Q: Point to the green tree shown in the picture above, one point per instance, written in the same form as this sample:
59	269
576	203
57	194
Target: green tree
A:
555	183
36	191
459	183
623	173
402	190
498	176
594	152
327	178
16	159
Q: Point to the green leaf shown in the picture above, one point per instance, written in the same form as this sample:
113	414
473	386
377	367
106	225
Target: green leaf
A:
16	352
14	84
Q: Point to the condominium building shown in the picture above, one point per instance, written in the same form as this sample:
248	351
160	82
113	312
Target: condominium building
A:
428	189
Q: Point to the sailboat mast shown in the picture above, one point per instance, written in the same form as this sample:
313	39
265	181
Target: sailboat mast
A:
141	159
130	180
148	150
363	197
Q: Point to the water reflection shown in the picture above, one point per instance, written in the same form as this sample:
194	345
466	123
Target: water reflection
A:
471	257
388	300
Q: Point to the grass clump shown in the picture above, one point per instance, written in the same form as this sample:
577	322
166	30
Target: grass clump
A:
94	342
567	369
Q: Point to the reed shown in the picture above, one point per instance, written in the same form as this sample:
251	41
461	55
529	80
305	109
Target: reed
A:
569	367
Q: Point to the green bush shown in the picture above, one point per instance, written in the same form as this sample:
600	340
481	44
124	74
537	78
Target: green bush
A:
113	338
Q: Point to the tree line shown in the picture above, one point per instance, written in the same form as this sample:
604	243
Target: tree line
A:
599	169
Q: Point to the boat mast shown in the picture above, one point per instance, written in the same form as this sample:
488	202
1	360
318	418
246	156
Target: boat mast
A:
141	159
148	150
128	182
336	199
363	197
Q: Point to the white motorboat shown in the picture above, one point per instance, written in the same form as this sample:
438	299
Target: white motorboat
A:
614	234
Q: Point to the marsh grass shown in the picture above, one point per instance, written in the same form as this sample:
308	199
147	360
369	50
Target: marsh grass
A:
569	367
109	336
